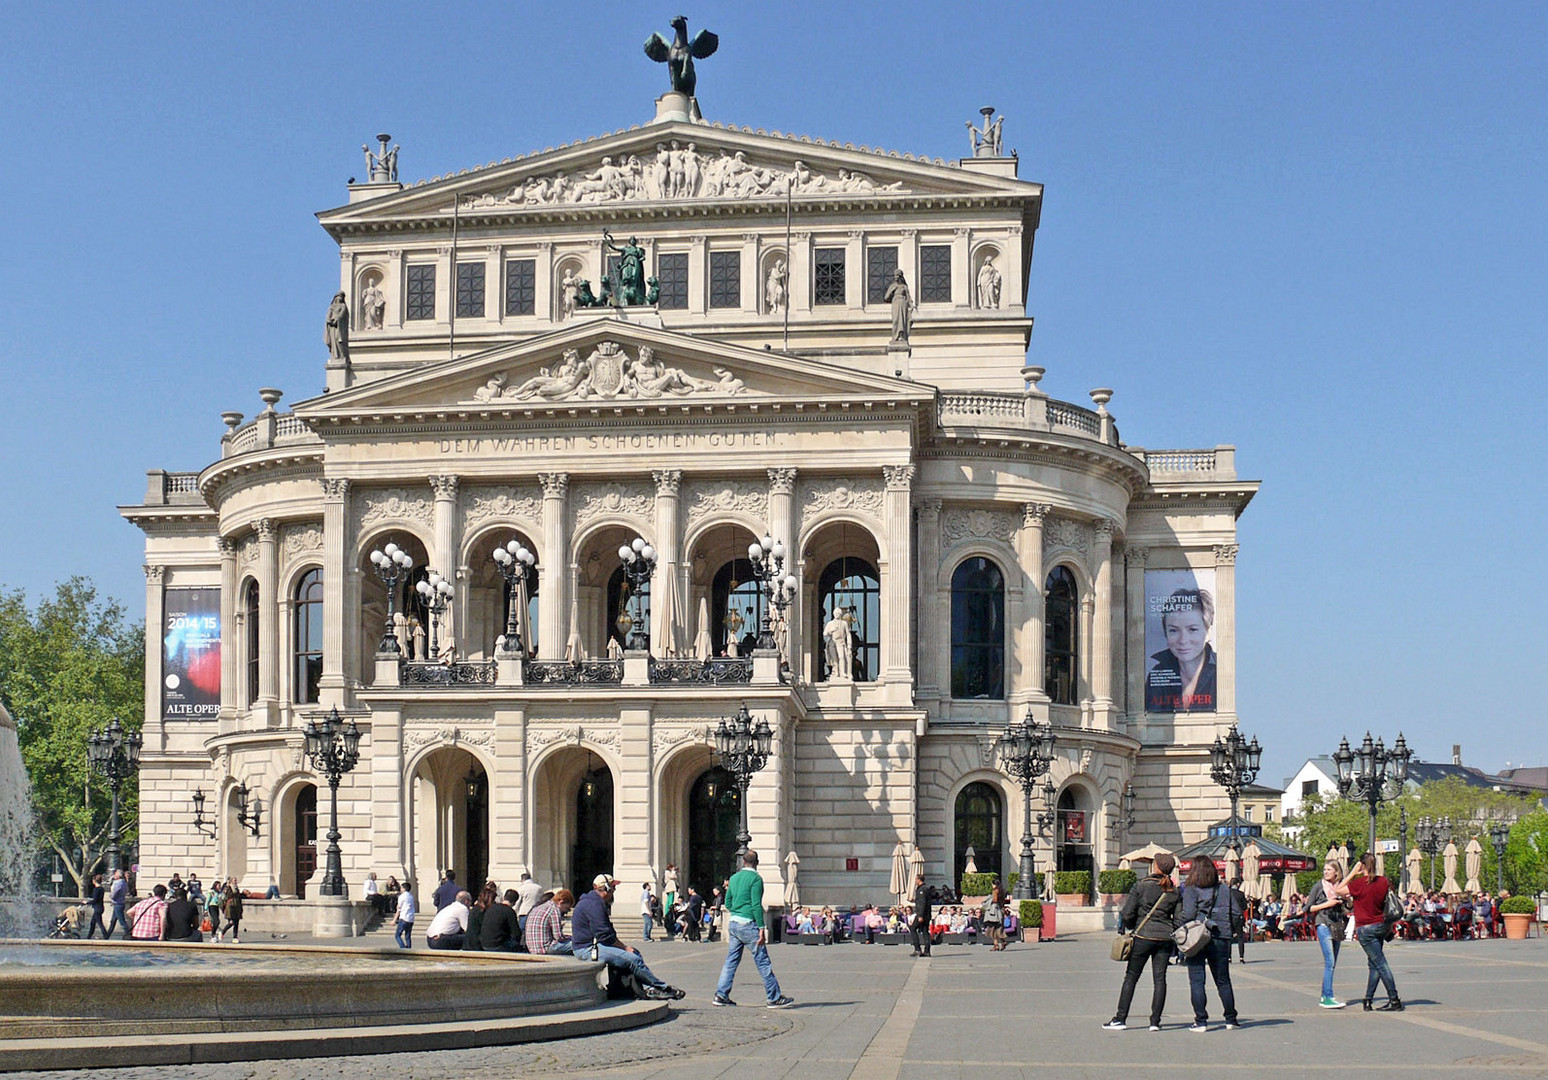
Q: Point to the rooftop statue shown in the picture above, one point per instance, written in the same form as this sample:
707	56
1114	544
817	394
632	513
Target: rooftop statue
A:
681	53
990	141
382	168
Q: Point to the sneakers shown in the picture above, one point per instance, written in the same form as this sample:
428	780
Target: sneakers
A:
665	993
1198	1028
1331	1003
1155	1027
722	999
675	994
1115	1025
1232	1025
782	1002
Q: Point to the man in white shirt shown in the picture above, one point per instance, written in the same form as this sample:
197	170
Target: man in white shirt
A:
530	894
645	910
449	928
408	907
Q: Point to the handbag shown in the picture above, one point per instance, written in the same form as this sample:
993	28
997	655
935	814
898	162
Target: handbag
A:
1391	914
1194	937
205	925
1125	943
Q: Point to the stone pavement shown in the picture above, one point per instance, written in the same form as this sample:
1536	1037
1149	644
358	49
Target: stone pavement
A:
873	1013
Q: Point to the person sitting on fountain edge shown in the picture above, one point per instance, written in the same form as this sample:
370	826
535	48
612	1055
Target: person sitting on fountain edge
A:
591	931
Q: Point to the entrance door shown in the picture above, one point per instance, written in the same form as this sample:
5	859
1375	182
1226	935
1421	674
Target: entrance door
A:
714	816
592	853
306	837
478	828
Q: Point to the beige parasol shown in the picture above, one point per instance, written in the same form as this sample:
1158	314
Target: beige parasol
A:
1332	854
792	886
1146	854
703	648
1415	862
898	885
1251	886
1449	860
1474	866
915	866
1343	855
1232	864
1289	889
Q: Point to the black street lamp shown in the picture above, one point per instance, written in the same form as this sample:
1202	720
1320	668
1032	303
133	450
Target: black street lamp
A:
114	753
249	819
1402	846
1372	774
639	564
1233	764
1048	815
1025	751
768	561
200	822
742	748
436	592
334	748
514	562
1433	835
1499	835
391	563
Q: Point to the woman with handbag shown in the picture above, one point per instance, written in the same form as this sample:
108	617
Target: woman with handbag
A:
1370	891
1326	910
1207	900
1153	902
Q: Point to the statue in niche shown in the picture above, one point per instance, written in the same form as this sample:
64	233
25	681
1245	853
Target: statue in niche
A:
373	305
569	290
418	630
774	292
400	632
680	54
838	647
336	330
988	284
902	302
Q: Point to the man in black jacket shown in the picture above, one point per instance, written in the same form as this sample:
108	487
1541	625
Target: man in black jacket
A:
499	931
919	922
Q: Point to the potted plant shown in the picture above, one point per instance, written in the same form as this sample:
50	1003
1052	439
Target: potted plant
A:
1073	887
1031	913
1518	913
1114	885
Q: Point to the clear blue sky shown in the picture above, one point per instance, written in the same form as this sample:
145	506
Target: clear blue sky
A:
1316	231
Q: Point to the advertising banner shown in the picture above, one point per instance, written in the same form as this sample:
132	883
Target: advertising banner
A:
190	655
1180	641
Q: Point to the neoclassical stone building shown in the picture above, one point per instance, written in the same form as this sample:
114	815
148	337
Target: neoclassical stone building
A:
992	550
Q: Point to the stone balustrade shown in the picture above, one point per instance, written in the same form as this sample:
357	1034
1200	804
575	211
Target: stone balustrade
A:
269	429
1022	412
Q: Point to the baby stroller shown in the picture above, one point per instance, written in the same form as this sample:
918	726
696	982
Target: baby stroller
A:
69	923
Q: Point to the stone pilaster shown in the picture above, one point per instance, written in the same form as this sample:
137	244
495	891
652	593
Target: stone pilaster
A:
391	826
554	610
1029	552
897	578
635	797
1134	643
931	617
508	795
785	525
666	615
268	618
336	547
155	630
1225	628
443	557
1102	618
230	662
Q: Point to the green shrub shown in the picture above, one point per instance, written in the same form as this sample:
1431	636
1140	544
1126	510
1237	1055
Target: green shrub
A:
978	884
1010	881
1518	905
1116	881
1073	881
1031	914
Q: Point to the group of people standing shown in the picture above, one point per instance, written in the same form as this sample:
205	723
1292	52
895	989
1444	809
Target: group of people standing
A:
177	911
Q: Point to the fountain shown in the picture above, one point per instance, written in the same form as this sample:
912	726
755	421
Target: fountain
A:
20	911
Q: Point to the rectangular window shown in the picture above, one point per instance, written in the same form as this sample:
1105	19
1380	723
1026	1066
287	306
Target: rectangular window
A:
470	290
520	287
880	264
1268	814
725	279
420	298
935	274
1247	813
672	273
1308	788
828	276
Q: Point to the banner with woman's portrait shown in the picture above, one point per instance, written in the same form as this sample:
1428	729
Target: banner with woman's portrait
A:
1180	641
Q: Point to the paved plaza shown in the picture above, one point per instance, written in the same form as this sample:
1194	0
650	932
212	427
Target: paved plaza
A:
873	1013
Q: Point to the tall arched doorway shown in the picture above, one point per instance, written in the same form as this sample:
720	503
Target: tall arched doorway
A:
1076	825
592	852
714	816
980	824
450	812
304	836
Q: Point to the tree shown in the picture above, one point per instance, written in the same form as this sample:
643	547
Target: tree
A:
67	668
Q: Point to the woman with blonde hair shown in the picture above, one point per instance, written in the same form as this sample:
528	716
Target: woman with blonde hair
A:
1330	916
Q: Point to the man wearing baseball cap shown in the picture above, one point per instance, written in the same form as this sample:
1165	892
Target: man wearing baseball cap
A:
591	931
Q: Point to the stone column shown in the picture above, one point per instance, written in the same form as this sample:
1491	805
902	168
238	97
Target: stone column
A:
155	630
666	616
897	583
335	552
554	610
1083	692
268	616
1029	550
930	615
230	604
785	526
1102	618
698	274
443	557
1225	628
1134	633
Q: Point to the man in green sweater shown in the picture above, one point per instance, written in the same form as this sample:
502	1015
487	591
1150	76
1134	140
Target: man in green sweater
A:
744	930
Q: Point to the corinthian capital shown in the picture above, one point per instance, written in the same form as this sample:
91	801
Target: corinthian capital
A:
1032	514
667	480
898	477
154	573
1225	554
445	487
929	508
267	530
782	481
555	484
335	489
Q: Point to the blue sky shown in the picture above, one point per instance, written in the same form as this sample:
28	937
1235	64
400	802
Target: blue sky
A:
1316	231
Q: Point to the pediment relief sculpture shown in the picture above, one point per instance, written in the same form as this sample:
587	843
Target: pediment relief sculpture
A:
609	373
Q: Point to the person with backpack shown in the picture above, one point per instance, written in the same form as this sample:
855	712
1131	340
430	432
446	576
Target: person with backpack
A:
1327	911
1372	928
1207	899
1149	914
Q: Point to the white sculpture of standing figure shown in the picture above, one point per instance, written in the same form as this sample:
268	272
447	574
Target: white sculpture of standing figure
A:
567	292
400	631
774	293
373	305
988	284
836	645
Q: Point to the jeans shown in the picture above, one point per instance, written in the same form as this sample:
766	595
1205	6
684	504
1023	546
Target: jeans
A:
744	935
118	917
454	940
648	923
403	934
624	960
1157	953
1218	957
96	923
560	948
1370	938
1330	943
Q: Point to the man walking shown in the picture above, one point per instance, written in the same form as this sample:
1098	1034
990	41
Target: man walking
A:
118	894
591	931
745	930
446	892
919	921
408	907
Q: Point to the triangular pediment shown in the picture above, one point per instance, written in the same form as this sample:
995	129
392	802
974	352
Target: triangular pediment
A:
679	163
605	364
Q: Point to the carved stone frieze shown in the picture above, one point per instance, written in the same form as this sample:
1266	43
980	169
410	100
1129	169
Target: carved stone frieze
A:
247	552
572	735
481	504
821	495
707	498
395	504
303	540
609	373
957	524
633	498
416	737
664	738
1065	534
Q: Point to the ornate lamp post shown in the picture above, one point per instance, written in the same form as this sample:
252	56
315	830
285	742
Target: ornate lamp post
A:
1128	807
1433	836
1499	835
200	822
115	754
1233	764
250	819
334	748
514	562
1372	774
1048	815
437	593
742	748
768	561
1026	751
391	563
639	564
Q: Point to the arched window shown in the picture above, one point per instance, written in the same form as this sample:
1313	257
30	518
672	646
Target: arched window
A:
1059	636
308	637
250	629
737	604
625	608
853	584
980	816
978	630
